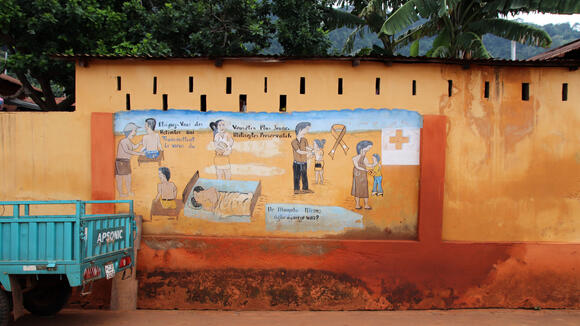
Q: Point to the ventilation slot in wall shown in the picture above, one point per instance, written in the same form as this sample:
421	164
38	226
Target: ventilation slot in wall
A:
191	84
118	83
243	103
154	85
525	91
486	90
165	102
340	86
282	103
414	88
378	86
565	92
449	87
202	103
302	85
128	102
228	85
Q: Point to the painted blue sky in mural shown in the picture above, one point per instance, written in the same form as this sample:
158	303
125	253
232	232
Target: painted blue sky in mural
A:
354	120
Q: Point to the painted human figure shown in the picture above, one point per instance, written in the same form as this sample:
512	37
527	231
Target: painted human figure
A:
377	176
206	199
151	140
318	150
166	190
300	151
360	187
125	150
223	143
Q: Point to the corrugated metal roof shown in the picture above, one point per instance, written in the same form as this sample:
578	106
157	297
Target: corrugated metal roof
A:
559	52
557	62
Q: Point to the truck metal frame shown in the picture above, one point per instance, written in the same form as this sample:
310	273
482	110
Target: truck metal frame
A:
62	244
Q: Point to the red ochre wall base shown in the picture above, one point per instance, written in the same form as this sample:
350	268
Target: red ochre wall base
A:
185	272
266	274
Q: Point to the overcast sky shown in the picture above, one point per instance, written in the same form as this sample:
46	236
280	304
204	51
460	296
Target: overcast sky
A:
543	19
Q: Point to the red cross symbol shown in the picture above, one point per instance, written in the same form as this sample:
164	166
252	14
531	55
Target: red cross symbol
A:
399	140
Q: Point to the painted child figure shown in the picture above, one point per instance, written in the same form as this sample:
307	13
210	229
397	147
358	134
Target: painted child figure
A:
166	190
318	151
151	141
377	176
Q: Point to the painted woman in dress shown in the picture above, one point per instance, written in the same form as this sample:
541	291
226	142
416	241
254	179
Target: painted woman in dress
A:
360	185
223	143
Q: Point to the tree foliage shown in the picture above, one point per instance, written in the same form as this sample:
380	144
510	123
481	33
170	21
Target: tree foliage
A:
300	26
33	30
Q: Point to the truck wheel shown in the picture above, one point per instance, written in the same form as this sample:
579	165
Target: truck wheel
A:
48	297
5	308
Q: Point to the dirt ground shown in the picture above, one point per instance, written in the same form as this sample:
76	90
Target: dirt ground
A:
256	318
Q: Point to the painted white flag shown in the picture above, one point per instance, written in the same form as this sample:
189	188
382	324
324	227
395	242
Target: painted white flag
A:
400	146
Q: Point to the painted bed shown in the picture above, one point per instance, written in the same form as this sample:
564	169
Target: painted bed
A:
223	187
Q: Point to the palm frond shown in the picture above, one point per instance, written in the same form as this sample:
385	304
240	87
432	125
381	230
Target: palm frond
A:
430	8
443	38
374	14
336	18
443	10
414	49
470	43
373	7
512	30
426	29
401	18
439	52
349	43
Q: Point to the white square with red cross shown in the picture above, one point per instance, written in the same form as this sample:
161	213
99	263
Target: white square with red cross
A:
400	146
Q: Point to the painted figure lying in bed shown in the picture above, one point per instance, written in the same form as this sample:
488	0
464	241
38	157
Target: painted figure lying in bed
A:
221	203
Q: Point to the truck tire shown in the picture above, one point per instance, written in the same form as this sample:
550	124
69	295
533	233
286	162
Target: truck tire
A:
48	297
5	308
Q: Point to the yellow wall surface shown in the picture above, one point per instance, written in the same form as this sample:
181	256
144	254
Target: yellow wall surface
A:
45	156
512	166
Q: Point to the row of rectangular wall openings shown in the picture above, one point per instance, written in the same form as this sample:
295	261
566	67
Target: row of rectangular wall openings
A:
486	90
378	86
243	103
302	85
202	103
128	102
449	87
191	84
265	84
565	92
118	83
282	103
165	105
414	88
228	85
340	86
525	91
155	85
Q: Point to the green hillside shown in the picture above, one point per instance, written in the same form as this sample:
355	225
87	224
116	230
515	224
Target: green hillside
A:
498	47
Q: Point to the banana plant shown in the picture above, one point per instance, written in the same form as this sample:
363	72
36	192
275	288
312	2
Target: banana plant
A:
461	24
371	15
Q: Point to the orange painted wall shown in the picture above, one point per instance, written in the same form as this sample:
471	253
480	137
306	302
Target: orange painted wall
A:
512	165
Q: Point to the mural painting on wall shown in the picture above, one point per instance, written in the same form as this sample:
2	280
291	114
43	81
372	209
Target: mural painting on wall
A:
333	173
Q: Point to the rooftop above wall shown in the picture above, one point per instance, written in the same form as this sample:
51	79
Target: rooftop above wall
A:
572	64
